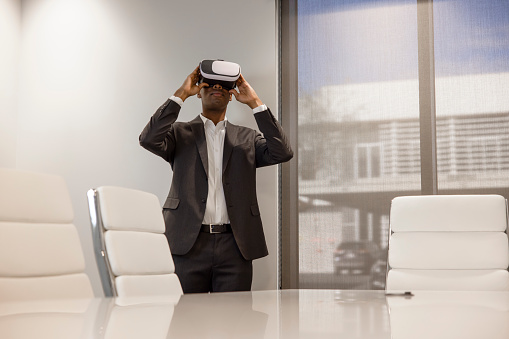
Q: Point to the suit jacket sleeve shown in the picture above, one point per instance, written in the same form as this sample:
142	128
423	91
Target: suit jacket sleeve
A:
157	136
273	146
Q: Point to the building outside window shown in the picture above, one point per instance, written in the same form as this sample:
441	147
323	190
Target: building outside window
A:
359	127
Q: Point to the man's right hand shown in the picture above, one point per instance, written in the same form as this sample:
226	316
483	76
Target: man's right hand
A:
189	87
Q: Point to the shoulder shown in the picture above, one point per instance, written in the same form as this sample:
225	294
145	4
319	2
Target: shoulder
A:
241	130
187	124
239	127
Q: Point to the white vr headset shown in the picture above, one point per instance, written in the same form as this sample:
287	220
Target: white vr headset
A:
219	72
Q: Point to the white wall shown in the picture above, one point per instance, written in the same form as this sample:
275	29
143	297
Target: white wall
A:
10	25
92	73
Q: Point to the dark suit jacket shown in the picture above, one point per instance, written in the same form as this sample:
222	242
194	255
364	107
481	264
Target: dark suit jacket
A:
183	145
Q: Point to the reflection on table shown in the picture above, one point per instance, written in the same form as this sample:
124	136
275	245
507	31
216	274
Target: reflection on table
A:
449	315
265	314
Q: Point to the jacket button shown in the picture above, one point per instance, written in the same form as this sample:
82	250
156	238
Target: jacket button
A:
204	200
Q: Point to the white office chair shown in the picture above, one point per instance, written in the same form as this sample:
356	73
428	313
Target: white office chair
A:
40	250
448	242
132	252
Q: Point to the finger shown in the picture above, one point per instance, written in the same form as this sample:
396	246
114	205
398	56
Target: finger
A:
194	77
240	80
203	84
234	92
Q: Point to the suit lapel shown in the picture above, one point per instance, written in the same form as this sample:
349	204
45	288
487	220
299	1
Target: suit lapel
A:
230	140
201	142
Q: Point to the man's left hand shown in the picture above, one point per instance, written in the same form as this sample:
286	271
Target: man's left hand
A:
246	94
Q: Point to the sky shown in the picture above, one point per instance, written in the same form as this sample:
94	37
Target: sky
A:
359	41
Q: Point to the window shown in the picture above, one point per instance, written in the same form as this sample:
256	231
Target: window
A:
472	75
361	136
368	161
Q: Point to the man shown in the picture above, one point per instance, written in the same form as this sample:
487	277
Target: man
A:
213	223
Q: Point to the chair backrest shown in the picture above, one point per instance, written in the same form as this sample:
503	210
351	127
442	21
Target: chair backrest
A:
40	250
132	252
448	242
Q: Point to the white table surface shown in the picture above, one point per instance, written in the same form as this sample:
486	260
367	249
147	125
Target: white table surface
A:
266	314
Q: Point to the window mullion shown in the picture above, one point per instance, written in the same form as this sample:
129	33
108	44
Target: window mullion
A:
427	112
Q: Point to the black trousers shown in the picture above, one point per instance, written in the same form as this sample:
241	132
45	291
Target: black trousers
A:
214	264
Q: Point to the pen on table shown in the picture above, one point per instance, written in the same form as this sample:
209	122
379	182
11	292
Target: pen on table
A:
399	294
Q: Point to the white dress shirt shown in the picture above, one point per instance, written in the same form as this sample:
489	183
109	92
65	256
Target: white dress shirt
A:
215	209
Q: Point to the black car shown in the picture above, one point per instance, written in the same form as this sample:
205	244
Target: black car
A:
378	274
355	257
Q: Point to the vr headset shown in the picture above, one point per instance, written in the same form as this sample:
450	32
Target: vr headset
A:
219	72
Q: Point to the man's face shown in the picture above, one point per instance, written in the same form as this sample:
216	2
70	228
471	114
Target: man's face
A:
214	98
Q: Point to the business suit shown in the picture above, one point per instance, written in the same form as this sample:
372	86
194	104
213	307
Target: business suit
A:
183	145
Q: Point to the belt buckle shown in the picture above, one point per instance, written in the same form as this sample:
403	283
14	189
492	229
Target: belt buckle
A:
211	227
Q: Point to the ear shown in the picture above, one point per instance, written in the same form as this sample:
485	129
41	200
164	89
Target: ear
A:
230	97
199	95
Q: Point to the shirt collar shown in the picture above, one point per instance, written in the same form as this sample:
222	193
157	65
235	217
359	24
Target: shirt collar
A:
208	122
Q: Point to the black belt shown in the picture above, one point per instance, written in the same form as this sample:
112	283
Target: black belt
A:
223	228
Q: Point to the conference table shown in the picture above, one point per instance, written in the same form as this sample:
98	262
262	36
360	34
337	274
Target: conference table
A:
277	314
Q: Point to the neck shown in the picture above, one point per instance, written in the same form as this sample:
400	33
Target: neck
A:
215	116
